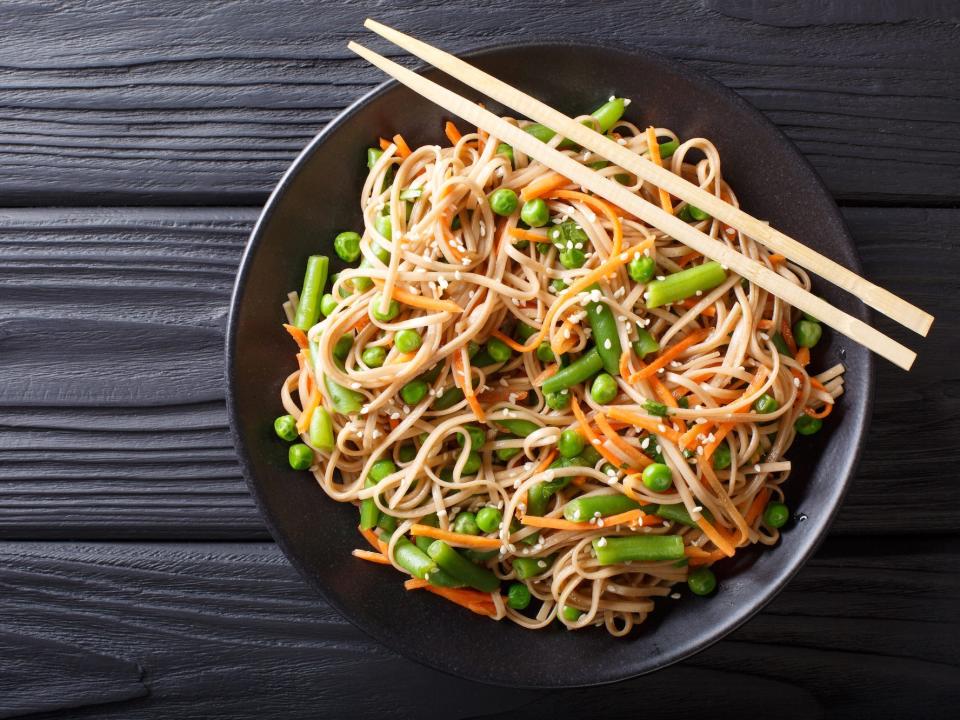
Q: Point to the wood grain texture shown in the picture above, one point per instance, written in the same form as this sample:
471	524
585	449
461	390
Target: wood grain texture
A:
866	623
199	103
117	429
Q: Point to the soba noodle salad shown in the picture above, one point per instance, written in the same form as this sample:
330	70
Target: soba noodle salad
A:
545	410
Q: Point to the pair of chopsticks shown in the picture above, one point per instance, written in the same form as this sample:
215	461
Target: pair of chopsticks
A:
873	295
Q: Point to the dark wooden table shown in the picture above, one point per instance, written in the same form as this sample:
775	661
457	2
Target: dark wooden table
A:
137	141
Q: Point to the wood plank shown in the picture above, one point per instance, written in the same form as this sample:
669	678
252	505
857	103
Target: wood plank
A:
117	428
229	630
207	103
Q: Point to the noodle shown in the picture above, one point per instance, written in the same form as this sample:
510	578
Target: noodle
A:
448	246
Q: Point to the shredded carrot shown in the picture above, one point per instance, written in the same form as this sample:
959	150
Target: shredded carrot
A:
298	335
462	376
404	357
604	207
545	463
373	557
420	301
595	442
687	438
723	429
629	517
565	339
624	364
548	371
521	234
542	185
669	354
708	311
698	557
654	147
472	600
776	259
384	143
803	356
765	324
312	403
453	135
362	323
403	150
509	341
757	506
651	425
636	457
376	543
788	336
821	414
667	398
723	543
817	384
455	538
685	260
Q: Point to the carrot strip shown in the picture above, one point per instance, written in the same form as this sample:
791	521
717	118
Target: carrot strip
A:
602	206
651	425
625	363
697	557
384	143
420	301
687	438
654	147
375	542
509	341
757	506
803	356
403	150
455	538
629	517
776	259
667	398
404	357
788	336
685	260
708	311
545	463
453	135
636	457
362	323
719	539
594	439
723	429
821	414
373	557
298	335
312	403
521	234
669	354
462	377
472	600
542	185
548	371
817	384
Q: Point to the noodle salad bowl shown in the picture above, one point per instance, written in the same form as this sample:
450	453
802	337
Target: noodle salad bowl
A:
320	196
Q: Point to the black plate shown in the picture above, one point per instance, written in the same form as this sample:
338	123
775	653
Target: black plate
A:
319	196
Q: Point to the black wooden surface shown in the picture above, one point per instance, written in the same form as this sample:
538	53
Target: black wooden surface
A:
137	139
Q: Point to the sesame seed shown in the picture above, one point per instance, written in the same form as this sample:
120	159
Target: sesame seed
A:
675	596
607	344
602	542
756	468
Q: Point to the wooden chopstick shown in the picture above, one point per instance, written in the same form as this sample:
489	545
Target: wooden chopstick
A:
875	296
795	295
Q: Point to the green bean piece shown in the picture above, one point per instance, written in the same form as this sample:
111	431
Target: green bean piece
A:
450	397
341	348
559	400
328	304
506	454
697	214
604	389
518	596
535	213
776	515
678	513
286	428
503	201
308	304
472	464
638	548
608	114
529	567
524	332
589	456
478	436
780	344
407	452
807	333
520	428
570	613
462	569
414	391
575	373
645	343
766	403
347	246
393	309
383	225
806	425
606	336
483	359
466	524
684	284
571	443
411	193
582	509
667	149
504	149
387	523
321	429
657	477
369	512
478	556
344	400
407	341
702	581
722	457
540	132
300	456
489	519
374	356
655	408
545	353
413	559
373	154
498	350
641	269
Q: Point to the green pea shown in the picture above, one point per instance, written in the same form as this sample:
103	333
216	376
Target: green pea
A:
342	347
414	391
667	149
407	341
392	310
300	456
504	149
472	349
806	333
811	318
503	201
604	389
766	403
506	454
776	515
383	225
373	356
407	452
328	303
589	456
466	524
641	269
478	437
286	427
498	350
543	248
722	457
380	469
473	463
545	353
572	258
571	443
558	285
535	213
489	519
559	400
702	581
518	596
570	613
697	214
521	244
347	246
806	425
657	477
